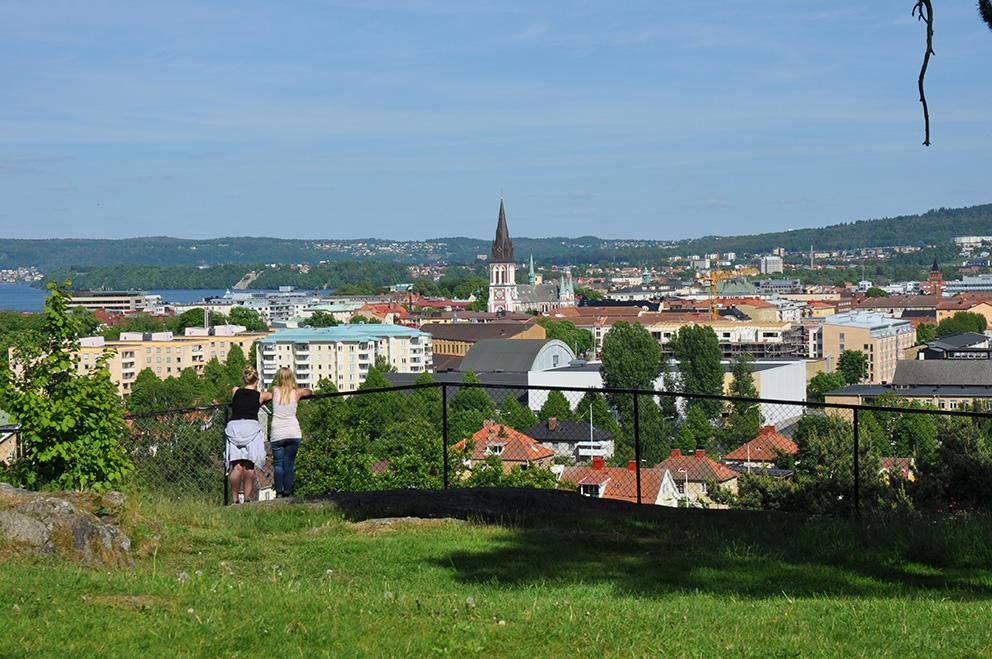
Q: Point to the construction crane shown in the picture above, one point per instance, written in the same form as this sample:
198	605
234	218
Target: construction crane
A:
712	279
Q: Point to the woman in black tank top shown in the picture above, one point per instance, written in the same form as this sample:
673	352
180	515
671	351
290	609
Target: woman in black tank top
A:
245	448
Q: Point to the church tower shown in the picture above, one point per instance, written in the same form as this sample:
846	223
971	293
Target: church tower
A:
502	269
936	281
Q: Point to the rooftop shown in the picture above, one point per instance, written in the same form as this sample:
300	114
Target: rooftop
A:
865	320
358	332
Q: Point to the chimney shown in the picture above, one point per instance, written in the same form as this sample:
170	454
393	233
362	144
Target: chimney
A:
700	453
676	453
597	462
488	423
632	465
767	430
552	423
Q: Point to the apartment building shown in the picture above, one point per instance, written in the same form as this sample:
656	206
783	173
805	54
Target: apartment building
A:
769	339
166	355
343	354
882	339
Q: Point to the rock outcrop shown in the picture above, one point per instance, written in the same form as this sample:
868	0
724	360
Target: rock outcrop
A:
64	524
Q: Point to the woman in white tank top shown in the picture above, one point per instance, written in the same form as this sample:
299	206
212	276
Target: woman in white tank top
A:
286	434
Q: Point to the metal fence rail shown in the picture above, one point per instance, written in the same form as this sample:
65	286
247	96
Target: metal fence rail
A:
642	446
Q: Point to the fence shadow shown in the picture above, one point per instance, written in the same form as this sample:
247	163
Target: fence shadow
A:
559	537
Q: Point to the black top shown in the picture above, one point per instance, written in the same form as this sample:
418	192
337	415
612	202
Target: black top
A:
245	404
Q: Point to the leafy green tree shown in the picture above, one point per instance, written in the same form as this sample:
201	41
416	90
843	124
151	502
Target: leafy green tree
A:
959	477
745	418
218	381
697	350
235	365
631	357
926	332
602	416
426	403
321	319
372	413
853	365
338	462
824	382
556	406
366	320
413	454
249	318
875	291
579	340
517	416
71	423
491	474
322	418
141	322
473	398
655	434
960	322
587	293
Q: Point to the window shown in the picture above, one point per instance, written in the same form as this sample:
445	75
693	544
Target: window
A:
495	449
589	490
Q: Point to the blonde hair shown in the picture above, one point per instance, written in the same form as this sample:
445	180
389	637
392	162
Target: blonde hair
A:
250	375
285	384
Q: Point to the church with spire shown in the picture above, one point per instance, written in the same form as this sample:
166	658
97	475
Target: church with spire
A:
506	295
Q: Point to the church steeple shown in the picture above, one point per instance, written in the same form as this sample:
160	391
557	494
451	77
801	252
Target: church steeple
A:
531	275
502	246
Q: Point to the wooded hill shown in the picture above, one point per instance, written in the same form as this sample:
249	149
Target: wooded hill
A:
935	227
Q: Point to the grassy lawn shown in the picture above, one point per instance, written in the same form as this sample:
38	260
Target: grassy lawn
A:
299	579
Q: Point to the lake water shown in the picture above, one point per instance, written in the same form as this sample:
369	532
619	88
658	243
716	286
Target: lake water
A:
21	297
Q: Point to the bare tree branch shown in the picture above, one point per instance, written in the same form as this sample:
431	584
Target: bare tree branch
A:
923	10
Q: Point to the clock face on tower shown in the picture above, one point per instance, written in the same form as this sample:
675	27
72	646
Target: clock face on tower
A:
498	294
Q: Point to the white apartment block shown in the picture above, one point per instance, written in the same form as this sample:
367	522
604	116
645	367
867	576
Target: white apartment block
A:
343	354
166	355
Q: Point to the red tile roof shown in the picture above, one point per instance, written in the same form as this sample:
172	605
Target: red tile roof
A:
618	483
517	447
697	467
763	447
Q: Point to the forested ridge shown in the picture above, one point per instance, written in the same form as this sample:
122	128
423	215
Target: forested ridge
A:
934	227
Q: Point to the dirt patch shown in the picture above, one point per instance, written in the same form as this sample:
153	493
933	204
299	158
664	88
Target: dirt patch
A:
380	525
126	602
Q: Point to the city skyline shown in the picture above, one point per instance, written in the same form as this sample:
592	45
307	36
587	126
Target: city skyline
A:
405	120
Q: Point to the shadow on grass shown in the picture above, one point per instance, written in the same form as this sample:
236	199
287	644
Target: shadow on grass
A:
561	538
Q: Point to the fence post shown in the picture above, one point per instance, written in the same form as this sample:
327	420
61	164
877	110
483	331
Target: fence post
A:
857	466
444	430
637	447
223	468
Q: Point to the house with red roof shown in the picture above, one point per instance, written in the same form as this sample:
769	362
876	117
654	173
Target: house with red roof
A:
761	452
695	473
390	313
513	448
620	483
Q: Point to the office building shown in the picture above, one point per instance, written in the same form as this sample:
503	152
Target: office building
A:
882	339
122	301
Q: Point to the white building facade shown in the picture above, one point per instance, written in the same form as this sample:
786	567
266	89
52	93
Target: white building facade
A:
344	354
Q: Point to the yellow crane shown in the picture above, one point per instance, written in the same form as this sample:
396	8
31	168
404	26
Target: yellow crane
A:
714	276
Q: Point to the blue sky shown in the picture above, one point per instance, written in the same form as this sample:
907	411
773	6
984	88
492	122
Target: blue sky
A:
343	119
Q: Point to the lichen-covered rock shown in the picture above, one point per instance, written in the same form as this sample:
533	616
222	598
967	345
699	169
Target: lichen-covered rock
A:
46	523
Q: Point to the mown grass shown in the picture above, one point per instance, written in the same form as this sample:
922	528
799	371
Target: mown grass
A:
299	579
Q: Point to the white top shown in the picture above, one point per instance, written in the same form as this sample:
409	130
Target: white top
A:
285	425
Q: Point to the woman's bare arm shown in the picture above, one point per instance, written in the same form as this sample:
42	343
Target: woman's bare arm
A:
303	392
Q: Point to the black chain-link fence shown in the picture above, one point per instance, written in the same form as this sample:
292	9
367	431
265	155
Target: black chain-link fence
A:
643	447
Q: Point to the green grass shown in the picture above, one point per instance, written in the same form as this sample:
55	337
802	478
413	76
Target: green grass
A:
290	580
